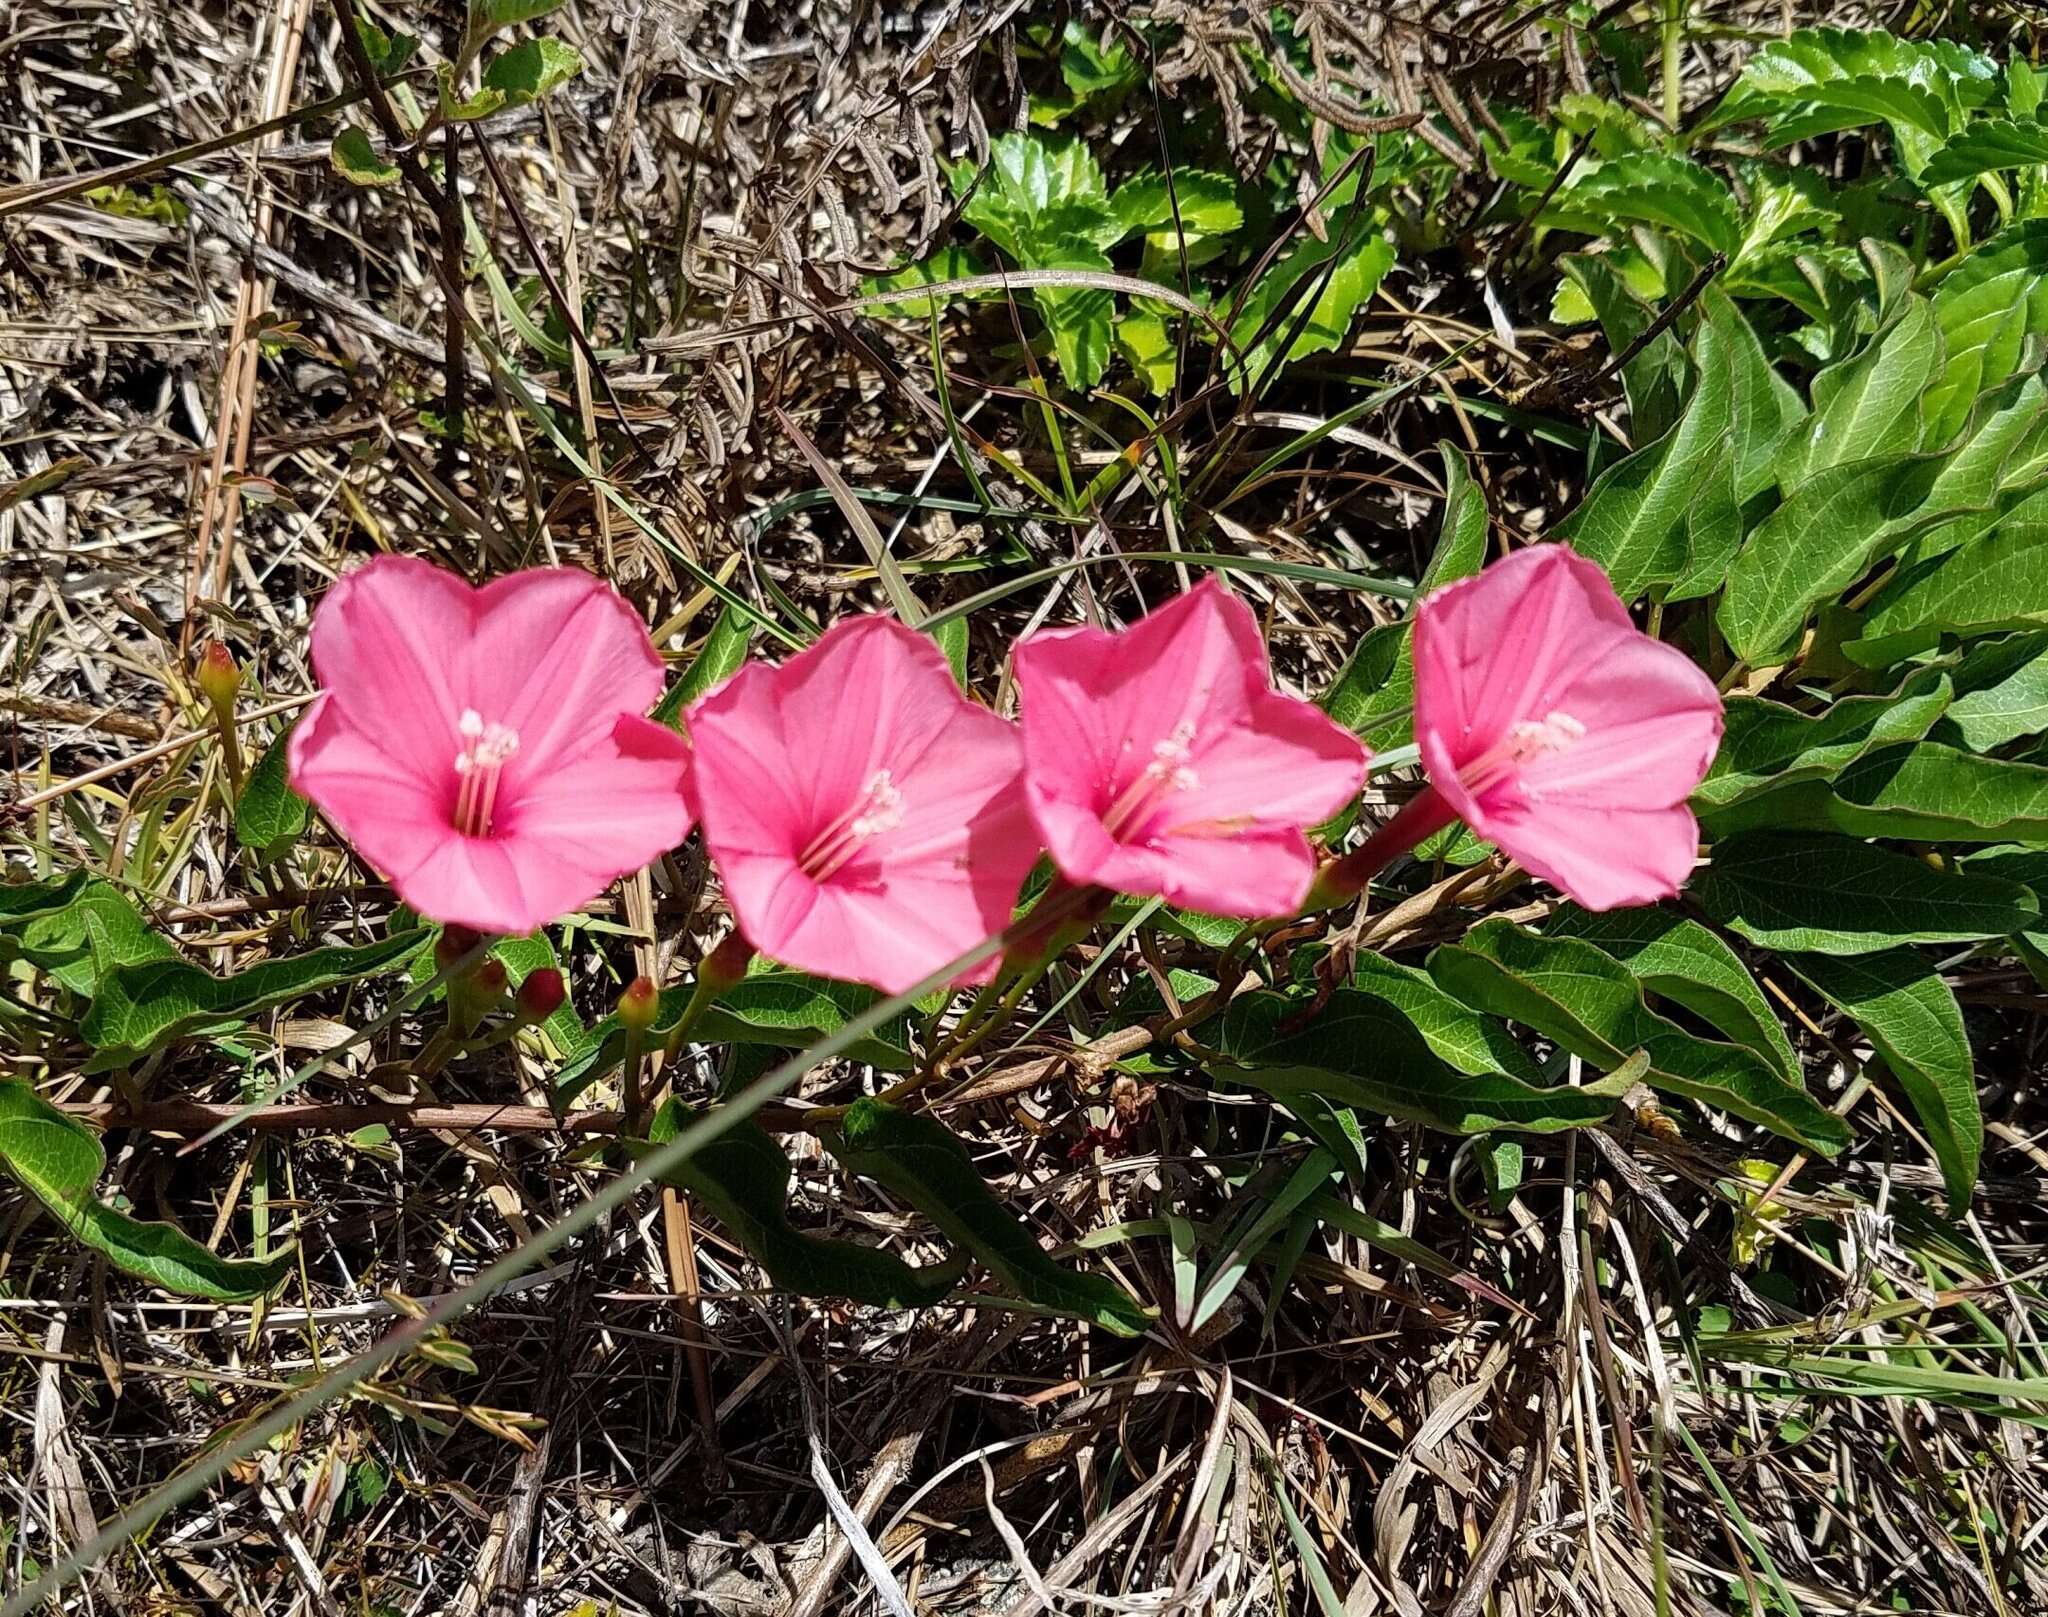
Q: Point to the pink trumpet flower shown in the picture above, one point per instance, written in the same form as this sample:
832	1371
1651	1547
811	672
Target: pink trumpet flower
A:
1555	728
865	817
485	748
1161	761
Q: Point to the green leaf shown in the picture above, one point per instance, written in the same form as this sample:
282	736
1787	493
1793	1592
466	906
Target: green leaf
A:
1208	211
1985	145
1096	65
947	264
1148	347
1999	581
1606	287
1821	539
1592	1005
723	653
1766	406
1080	318
269	815
529	70
1987	308
1867	406
1041	197
1813	894
458	107
388	53
771	1006
743	1178
356	160
1642	520
1651	188
140	1008
1355	276
2013	706
1680	960
1822	79
1922	793
919	1159
1363	1050
952	638
1765	744
1456	1034
77	929
59	1161
487	17
1913	1021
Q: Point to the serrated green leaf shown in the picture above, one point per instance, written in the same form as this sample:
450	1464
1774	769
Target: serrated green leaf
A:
1354	276
947	264
1828	894
1765	745
1985	145
356	160
269	815
78	928
1592	1004
1148	347
1080	318
1096	64
1822	79
525	72
59	1161
1986	309
1651	188
140	1008
1361	1050
921	1160
723	653
1912	1019
743	1178
1206	203
1678	959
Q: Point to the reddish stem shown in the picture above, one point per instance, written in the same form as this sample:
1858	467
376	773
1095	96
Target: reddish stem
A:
1420	818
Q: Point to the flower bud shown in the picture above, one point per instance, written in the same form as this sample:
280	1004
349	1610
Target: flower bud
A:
727	964
454	943
219	679
541	995
639	1005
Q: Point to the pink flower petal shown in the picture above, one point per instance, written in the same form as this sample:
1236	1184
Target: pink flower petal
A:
1554	727
552	645
394	818
527	696
1603	858
1501	646
1161	761
861	756
387	642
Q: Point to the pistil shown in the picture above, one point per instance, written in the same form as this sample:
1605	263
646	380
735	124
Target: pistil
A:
879	808
479	768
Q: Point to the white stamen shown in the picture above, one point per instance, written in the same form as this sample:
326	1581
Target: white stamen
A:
879	808
478	766
1169	771
1525	741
